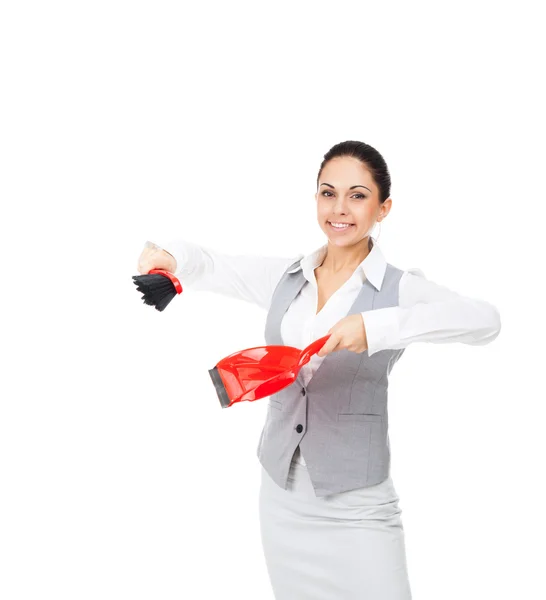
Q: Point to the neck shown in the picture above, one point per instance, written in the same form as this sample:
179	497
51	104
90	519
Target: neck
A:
346	259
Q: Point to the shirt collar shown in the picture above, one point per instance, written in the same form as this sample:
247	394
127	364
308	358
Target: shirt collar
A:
373	267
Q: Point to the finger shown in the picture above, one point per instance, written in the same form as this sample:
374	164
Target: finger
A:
143	266
338	343
149	259
330	345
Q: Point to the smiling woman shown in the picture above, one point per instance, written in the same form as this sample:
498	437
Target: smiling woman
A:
329	515
353	187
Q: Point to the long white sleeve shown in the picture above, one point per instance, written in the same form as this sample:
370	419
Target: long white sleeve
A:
244	277
429	312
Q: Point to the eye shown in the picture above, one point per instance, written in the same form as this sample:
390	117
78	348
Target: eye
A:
327	192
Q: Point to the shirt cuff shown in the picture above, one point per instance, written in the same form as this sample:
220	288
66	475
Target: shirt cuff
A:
382	328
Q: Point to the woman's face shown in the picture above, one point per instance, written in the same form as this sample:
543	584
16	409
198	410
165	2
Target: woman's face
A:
347	194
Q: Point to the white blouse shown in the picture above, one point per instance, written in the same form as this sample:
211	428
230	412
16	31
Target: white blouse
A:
427	311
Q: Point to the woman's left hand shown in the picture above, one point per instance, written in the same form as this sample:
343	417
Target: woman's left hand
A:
347	334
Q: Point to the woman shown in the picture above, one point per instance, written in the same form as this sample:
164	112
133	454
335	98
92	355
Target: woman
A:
330	521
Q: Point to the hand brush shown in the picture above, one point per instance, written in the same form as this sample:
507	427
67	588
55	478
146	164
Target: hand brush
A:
257	372
158	286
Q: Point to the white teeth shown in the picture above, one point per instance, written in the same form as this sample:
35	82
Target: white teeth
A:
340	225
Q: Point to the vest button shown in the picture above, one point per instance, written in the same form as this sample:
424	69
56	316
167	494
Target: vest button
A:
303	392
299	428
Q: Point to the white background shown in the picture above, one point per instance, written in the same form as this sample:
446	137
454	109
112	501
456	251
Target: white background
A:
120	475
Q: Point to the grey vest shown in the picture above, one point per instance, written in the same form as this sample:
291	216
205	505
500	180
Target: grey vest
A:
340	418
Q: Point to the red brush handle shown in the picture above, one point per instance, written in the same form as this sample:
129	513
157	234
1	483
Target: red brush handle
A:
176	281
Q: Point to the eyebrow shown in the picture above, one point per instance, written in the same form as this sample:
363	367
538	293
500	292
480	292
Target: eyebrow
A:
351	188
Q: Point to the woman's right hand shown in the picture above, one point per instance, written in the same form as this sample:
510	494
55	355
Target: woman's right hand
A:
154	257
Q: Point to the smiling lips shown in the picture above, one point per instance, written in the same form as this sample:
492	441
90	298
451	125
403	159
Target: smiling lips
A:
343	227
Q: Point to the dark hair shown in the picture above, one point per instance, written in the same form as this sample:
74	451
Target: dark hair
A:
371	159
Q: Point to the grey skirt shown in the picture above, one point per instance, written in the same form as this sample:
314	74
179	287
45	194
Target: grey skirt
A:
345	546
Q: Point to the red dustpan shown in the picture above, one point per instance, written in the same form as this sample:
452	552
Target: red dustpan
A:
258	372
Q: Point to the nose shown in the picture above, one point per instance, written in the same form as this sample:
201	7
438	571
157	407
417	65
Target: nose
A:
340	206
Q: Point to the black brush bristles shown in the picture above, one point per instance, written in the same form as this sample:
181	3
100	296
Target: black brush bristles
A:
157	289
